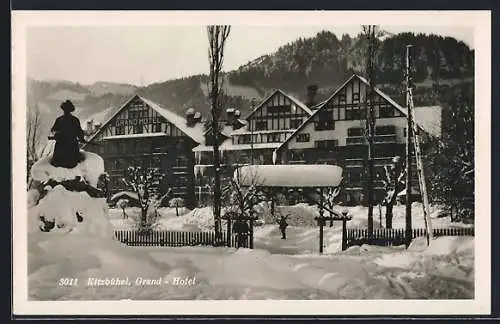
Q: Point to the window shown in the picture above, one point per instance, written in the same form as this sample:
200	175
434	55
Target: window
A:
261	125
324	120
325	144
342	97
116	165
324	125
273	138
386	111
355	97
277	110
301	138
295	123
355	176
181	181
180	162
247	139
353	132
354	113
157	128
385	130
297	155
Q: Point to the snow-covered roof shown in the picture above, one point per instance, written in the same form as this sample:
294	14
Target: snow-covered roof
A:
128	194
429	118
141	135
245	131
432	127
195	132
286	175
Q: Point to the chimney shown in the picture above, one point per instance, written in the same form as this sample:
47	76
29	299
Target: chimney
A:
190	117
237	123
311	95
230	118
197	117
90	126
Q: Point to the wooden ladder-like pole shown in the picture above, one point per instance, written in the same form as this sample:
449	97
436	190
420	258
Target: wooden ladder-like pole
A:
420	171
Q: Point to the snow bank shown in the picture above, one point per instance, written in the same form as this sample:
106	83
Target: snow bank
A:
198	219
61	206
227	273
68	211
90	168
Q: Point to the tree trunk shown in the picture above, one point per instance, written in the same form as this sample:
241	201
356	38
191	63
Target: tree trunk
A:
144	215
388	216
177	211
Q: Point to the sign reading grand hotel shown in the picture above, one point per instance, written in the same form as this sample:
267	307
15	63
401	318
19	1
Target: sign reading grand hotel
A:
138	121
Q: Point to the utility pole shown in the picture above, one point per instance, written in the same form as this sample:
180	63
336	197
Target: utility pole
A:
370	123
251	144
409	130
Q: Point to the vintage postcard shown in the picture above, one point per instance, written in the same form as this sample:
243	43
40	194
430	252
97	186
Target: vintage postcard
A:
251	163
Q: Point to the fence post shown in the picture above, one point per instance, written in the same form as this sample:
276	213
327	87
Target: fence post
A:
344	234
228	238
251	234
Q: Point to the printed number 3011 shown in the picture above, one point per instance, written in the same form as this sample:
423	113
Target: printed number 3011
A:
68	282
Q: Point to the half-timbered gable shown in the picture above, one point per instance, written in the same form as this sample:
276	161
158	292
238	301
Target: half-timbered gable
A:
335	133
273	120
340	120
142	133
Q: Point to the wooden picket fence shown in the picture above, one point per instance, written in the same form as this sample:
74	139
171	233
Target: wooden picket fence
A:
395	237
173	238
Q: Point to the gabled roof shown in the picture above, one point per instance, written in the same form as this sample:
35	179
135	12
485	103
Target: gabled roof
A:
195	132
292	98
322	105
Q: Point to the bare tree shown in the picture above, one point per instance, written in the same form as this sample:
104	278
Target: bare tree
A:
372	34
33	125
217	36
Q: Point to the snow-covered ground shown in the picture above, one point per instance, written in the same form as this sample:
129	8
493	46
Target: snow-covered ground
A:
84	262
445	271
275	269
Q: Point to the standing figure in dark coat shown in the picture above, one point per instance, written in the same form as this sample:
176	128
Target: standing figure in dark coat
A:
67	131
283	225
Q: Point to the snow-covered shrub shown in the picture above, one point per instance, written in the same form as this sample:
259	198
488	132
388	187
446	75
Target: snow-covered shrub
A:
140	180
176	203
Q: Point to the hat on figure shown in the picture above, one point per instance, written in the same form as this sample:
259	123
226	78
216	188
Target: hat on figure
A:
67	106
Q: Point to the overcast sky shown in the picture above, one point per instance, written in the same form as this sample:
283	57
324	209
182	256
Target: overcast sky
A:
128	54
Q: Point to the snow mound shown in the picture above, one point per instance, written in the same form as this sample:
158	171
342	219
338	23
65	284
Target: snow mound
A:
67	209
61	207
199	219
90	169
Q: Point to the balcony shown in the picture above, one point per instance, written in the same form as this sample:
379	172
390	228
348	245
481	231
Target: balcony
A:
355	140
389	138
378	139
